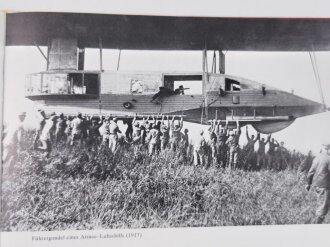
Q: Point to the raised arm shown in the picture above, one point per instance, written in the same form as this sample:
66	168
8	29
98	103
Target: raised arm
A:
216	127
181	123
247	134
172	122
238	129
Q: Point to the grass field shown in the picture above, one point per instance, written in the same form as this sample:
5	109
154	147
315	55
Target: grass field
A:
80	188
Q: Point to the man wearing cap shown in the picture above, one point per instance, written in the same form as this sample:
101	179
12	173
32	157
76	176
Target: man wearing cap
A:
233	144
113	135
319	175
77	125
46	136
176	133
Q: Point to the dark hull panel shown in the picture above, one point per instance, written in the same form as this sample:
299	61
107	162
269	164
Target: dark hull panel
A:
271	127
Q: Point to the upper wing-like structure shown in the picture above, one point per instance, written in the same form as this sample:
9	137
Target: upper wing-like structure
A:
170	33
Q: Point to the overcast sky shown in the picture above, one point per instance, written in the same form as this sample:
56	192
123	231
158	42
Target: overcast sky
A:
284	70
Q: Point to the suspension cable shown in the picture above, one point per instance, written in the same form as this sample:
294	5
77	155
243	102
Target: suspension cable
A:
317	75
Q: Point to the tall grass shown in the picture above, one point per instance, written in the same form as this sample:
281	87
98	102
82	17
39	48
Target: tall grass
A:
88	188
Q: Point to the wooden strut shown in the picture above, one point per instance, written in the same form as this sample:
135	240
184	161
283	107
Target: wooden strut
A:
205	80
101	58
45	57
214	63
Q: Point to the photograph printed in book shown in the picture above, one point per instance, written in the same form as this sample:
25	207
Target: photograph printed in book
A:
131	121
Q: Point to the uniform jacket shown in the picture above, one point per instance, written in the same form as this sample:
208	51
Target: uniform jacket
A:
319	173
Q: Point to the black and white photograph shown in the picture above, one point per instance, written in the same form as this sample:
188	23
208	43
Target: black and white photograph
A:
122	121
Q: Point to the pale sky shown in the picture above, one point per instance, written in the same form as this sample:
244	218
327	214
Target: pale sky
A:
283	70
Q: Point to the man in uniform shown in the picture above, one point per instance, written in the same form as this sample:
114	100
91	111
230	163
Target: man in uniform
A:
60	128
77	125
165	131
93	131
261	152
213	142
248	150
222	136
46	136
233	144
104	131
185	144
12	140
198	146
153	139
137	135
113	135
271	152
176	133
281	157
319	175
41	119
68	130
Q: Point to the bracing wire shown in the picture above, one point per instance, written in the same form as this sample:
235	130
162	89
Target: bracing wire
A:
118	62
317	75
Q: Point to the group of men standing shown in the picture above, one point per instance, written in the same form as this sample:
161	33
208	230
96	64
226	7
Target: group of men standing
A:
223	148
157	134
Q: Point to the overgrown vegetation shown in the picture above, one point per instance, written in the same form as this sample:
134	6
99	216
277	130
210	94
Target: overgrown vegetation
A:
87	188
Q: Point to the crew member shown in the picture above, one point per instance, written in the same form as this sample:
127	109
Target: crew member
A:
233	144
176	133
46	136
213	141
261	152
41	119
271	152
165	131
199	146
77	128
60	128
319	175
113	136
249	148
153	140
